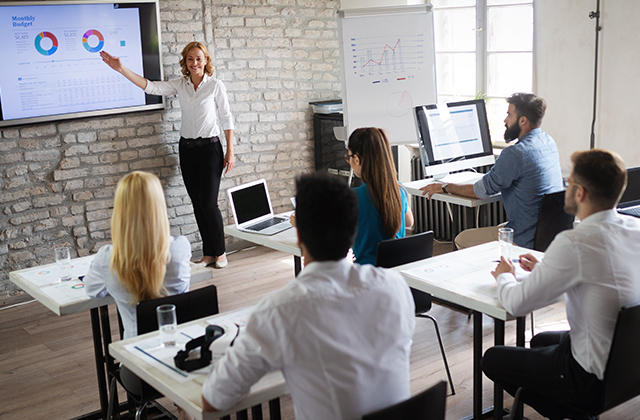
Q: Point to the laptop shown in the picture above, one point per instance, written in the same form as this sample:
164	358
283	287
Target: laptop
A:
252	211
630	200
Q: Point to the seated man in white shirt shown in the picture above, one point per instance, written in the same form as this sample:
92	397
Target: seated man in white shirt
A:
341	333
596	267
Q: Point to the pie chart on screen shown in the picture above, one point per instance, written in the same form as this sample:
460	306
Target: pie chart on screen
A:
95	38
46	43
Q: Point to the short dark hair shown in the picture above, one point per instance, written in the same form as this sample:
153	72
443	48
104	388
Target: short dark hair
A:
530	106
326	215
602	173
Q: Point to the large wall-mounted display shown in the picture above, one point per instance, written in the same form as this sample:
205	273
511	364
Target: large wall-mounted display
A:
51	67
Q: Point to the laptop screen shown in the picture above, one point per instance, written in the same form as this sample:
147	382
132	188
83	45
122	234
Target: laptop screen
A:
632	193
251	202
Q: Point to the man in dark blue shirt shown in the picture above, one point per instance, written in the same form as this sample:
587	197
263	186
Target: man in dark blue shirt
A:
523	173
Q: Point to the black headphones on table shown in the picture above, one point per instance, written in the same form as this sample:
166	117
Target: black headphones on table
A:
182	361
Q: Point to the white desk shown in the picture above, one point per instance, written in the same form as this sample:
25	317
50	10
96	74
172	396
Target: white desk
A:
464	278
70	297
186	391
285	241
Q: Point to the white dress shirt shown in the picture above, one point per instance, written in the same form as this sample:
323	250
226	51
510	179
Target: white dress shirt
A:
341	333
597	266
200	109
100	281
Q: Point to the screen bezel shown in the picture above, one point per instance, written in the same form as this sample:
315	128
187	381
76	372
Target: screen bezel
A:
151	57
433	166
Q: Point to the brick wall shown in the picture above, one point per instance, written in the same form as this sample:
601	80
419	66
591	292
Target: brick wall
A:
57	179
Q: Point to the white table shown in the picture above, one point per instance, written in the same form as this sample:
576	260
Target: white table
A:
464	278
66	298
186	391
285	241
469	203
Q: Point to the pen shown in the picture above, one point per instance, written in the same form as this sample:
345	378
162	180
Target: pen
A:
515	260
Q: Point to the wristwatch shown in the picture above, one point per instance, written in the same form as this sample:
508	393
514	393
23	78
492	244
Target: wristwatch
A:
444	187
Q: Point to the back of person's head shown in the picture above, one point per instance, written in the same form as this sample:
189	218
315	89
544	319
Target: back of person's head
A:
372	146
602	173
208	68
530	106
140	235
326	215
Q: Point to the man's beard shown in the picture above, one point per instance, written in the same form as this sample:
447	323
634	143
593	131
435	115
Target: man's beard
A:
511	133
570	205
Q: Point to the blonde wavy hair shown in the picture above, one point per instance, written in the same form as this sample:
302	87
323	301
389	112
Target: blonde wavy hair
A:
379	173
140	236
208	68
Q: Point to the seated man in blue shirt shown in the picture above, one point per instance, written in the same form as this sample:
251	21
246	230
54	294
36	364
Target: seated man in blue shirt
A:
595	266
341	333
523	173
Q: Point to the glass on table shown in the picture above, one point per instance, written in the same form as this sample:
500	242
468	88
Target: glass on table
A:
63	261
167	324
505	240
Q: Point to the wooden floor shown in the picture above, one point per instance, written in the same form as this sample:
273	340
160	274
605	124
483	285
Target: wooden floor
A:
47	368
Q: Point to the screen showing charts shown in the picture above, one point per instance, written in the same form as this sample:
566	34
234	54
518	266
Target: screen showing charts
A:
453	136
51	62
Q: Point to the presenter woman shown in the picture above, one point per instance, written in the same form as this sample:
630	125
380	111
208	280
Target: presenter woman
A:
383	211
144	261
203	100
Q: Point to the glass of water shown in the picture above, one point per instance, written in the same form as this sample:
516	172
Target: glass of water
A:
167	324
505	239
63	261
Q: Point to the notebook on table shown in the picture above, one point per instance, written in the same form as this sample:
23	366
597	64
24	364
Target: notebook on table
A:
630	200
252	211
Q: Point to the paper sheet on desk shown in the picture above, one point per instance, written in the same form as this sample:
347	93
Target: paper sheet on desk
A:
66	292
449	272
48	275
162	357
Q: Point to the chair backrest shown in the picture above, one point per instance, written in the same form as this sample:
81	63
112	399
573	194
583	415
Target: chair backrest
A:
622	374
552	220
427	405
394	252
191	305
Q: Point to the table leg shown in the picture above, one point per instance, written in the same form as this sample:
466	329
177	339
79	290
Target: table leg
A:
477	368
274	409
498	400
100	361
520	327
297	265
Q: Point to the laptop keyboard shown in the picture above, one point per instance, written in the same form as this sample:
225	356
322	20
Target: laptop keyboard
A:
263	225
631	211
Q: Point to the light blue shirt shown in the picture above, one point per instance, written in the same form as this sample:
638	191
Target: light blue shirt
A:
100	281
523	173
370	230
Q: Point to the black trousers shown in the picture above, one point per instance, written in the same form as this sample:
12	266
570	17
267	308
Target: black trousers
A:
548	373
202	162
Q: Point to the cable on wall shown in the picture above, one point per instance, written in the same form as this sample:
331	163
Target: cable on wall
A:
595	15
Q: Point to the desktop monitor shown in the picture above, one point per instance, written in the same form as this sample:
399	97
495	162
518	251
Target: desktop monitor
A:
453	137
631	195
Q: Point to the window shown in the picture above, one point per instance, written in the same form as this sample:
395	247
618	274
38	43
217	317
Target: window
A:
484	48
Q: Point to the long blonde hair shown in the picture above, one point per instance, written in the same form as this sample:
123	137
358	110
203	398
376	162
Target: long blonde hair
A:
140	236
208	68
379	173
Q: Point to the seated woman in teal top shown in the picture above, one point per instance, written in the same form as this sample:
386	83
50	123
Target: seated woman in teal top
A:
383	208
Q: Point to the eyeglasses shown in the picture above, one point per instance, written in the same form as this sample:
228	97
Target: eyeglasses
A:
566	182
348	157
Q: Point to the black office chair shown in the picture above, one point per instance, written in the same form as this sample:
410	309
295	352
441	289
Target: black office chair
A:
394	252
427	405
622	373
552	220
190	306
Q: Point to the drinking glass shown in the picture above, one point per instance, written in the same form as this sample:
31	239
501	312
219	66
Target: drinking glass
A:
167	324
63	260
505	239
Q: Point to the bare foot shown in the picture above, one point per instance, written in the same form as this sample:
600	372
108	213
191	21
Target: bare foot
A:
207	260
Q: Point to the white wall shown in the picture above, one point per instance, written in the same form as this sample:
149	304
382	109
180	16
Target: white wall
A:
564	57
